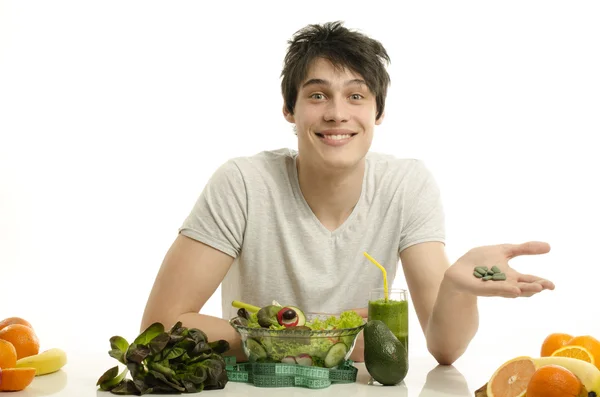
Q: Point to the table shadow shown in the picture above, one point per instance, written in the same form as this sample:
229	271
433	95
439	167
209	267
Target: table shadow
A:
446	379
46	385
399	390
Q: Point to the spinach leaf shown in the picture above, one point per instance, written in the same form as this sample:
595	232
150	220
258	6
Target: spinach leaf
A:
179	360
118	347
150	333
111	378
136	353
126	387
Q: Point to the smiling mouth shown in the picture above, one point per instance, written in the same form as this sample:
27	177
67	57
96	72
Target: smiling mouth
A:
337	137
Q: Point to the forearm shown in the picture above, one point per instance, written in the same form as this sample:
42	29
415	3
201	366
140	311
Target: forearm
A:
358	353
216	328
452	325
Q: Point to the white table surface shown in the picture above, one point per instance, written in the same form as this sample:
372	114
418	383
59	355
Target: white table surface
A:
425	379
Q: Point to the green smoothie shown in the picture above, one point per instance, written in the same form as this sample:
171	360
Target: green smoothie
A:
394	314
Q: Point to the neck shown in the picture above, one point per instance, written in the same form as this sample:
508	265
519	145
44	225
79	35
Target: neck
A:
331	195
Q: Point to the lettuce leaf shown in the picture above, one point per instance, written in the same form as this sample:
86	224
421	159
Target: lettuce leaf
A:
347	319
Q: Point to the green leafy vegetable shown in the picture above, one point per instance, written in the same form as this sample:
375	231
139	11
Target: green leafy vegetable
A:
111	378
180	360
118	348
347	319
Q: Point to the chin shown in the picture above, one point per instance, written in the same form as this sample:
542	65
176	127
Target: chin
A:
341	161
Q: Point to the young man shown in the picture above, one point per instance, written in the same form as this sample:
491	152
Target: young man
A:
292	226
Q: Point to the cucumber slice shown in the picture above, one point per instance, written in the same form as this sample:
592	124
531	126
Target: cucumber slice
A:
256	350
336	354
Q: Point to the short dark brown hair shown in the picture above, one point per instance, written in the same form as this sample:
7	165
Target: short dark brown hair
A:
344	48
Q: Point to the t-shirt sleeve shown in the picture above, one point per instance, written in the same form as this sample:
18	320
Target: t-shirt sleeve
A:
423	216
219	215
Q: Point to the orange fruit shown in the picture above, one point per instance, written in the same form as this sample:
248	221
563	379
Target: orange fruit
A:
14	320
578	352
8	355
553	342
511	378
554	381
15	379
23	338
590	343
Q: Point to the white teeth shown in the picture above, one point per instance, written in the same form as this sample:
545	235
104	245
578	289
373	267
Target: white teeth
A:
338	137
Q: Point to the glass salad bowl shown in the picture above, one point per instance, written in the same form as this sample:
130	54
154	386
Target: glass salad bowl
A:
326	348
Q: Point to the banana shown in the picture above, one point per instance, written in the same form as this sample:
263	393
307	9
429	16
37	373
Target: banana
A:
587	373
46	362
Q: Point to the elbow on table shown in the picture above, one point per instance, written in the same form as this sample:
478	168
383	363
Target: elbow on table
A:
446	356
166	319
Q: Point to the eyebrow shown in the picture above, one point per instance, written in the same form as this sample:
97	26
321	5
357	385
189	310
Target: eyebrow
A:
327	83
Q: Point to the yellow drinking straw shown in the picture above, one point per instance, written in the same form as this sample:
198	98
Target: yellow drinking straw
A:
385	283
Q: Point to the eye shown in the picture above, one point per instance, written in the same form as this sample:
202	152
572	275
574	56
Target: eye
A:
317	96
356	96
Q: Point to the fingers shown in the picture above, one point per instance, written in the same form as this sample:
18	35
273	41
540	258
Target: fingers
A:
528	278
500	288
527	294
512	289
530	288
524	286
363	312
528	248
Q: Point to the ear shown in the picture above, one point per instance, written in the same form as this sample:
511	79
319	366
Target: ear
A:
380	119
288	116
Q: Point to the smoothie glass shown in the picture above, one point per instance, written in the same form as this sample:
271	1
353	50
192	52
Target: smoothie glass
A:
393	313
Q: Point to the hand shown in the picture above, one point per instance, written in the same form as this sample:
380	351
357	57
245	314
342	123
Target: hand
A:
358	354
460	274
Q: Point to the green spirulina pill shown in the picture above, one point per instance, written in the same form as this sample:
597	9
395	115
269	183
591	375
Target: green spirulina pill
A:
478	275
490	273
495	269
486	278
481	270
499	276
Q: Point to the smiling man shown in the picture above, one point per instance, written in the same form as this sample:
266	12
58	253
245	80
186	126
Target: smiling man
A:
292	226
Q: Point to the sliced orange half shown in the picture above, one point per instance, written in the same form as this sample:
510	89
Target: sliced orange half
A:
511	378
15	379
578	352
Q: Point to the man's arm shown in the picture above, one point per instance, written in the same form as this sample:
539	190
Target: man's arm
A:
448	331
445	297
358	353
189	275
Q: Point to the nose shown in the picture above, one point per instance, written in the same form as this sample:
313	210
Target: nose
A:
336	111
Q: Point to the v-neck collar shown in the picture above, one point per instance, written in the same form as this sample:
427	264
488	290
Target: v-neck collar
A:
306	208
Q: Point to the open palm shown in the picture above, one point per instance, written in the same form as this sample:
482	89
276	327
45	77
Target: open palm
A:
516	284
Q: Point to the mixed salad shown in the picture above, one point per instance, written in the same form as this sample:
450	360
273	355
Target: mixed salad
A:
327	349
276	317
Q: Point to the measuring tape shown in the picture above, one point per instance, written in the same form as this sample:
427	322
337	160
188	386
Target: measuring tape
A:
289	375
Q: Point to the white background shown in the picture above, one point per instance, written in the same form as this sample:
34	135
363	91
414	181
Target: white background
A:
114	114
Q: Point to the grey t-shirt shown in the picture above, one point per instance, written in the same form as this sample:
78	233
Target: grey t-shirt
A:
252	209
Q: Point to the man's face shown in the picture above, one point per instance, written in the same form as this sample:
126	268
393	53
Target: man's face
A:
334	116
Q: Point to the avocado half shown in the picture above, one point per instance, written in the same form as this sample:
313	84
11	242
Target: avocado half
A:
291	316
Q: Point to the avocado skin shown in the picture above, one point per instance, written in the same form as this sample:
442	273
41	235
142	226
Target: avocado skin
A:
384	354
